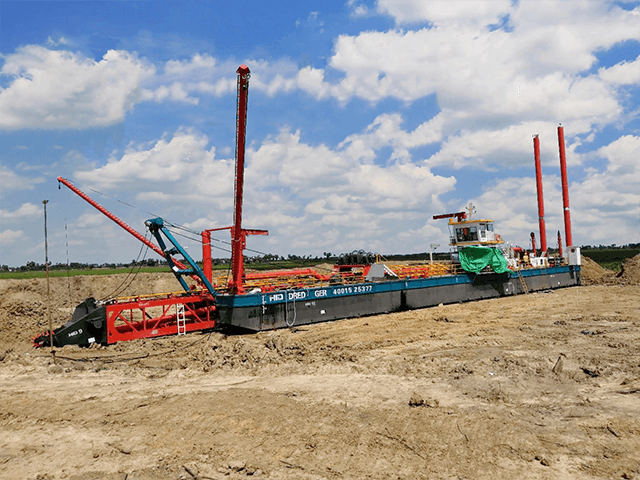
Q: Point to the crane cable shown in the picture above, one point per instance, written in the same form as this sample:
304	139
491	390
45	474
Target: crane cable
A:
126	282
175	225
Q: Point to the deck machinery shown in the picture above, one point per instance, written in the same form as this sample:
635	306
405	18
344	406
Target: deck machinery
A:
262	301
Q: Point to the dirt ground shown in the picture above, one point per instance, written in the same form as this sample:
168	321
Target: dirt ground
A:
538	386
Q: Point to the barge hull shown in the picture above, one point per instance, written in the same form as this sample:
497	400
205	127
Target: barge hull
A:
263	311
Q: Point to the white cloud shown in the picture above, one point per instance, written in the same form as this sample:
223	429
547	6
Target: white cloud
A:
290	185
25	211
511	147
605	206
11	181
441	12
198	64
624	73
55	43
183	80
11	236
333	190
358	10
386	130
57	89
91	220
535	69
623	169
175	92
349	169
181	160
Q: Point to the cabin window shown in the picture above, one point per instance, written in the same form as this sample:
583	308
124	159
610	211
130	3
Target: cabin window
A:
490	227
483	231
467	234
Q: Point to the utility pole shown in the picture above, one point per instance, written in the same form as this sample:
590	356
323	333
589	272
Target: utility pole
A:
432	246
46	265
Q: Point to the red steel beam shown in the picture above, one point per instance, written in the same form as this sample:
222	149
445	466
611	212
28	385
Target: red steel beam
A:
565	187
459	216
149	318
117	220
543	232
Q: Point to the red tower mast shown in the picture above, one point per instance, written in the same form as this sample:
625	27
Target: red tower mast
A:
543	231
238	235
565	188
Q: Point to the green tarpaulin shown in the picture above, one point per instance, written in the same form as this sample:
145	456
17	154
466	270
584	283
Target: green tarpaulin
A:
474	259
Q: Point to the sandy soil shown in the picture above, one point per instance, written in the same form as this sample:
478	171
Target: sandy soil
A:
539	386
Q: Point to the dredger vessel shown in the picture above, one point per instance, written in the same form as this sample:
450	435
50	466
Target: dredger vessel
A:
482	267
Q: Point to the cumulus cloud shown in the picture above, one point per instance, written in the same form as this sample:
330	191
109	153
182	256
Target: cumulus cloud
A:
290	185
183	159
624	73
511	147
183	80
11	236
175	92
605	205
329	189
494	61
12	181
536	67
440	12
619	181
25	212
57	89
358	9
386	131
489	59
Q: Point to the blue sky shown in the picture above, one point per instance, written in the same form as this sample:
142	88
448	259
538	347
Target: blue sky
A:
366	118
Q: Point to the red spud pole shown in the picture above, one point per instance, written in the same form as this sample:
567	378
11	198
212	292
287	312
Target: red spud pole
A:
543	232
565	187
237	235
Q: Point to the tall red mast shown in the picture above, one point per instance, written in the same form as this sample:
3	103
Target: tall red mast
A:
565	188
238	235
543	231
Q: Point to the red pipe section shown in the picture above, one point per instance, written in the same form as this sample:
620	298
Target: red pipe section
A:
565	187
111	216
543	232
533	243
559	244
238	237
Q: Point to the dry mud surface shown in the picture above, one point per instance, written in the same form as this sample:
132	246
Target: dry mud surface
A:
539	386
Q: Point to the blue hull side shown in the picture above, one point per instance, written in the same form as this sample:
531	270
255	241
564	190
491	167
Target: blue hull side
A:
267	311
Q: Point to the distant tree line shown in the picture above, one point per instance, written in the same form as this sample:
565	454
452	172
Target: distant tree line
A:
605	251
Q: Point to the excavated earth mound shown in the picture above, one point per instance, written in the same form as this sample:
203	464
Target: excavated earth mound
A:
630	272
594	274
